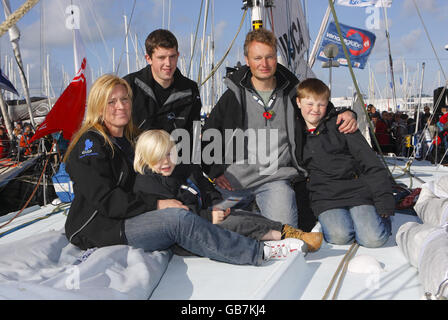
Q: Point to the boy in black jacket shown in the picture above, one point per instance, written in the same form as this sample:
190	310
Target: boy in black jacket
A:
350	190
159	177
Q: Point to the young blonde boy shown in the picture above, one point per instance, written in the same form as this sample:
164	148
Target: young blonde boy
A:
158	175
350	190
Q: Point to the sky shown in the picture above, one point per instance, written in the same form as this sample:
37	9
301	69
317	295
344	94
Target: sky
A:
44	35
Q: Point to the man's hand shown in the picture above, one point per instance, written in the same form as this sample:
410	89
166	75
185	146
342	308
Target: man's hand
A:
170	203
349	124
223	183
219	216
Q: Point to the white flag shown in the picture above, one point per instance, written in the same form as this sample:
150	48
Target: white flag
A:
365	3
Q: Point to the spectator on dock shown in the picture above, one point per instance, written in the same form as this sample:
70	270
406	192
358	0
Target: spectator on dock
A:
5	143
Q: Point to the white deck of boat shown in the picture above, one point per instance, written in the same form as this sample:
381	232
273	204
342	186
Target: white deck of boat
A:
296	278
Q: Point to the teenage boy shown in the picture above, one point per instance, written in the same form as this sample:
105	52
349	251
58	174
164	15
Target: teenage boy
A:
350	190
162	97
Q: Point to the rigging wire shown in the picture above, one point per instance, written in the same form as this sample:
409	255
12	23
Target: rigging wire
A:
127	34
355	83
195	38
32	195
227	51
429	38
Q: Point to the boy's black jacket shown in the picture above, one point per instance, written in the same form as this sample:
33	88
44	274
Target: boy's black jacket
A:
343	169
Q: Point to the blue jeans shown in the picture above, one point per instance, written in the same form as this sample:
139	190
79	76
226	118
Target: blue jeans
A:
276	200
360	223
159	230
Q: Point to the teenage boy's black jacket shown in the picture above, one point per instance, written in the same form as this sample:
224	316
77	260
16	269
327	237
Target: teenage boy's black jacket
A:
343	169
179	111
157	186
102	180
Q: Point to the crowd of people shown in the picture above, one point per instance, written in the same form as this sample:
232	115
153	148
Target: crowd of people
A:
19	145
396	133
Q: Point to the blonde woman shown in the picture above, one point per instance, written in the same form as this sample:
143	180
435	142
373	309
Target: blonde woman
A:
106	211
159	176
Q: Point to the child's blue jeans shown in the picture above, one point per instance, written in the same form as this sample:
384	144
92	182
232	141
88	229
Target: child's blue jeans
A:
159	230
361	223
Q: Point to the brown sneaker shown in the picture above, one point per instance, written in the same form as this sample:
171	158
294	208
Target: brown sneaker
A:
312	239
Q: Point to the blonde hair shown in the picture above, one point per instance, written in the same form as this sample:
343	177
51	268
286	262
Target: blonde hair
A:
96	109
151	147
313	87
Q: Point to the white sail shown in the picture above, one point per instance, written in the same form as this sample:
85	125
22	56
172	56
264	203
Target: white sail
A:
289	25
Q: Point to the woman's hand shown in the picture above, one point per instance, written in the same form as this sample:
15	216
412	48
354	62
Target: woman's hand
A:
170	203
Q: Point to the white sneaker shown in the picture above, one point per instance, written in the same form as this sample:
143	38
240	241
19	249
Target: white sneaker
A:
283	248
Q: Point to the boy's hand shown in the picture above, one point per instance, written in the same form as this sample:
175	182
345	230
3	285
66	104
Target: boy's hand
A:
219	216
349	124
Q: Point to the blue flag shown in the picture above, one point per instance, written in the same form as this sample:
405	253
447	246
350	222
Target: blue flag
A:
359	44
6	84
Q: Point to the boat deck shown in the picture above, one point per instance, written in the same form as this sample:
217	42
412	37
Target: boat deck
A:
300	277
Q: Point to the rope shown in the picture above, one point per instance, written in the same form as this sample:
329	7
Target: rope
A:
31	197
60	208
16	16
227	51
344	263
429	38
195	38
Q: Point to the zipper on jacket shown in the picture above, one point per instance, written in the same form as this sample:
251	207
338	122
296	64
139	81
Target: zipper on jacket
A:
94	213
84	225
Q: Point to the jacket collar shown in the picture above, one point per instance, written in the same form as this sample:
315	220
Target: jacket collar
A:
179	82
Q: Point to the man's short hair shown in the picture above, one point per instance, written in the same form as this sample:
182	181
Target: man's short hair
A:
313	87
260	35
160	38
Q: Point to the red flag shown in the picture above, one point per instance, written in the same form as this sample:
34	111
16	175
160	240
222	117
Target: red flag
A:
67	113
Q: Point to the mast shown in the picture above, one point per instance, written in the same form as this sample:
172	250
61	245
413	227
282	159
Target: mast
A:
5	115
203	41
316	45
127	42
419	99
394	96
14	36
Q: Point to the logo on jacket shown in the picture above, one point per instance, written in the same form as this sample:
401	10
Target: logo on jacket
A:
88	144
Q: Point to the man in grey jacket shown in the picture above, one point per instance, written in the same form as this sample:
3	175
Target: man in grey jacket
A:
256	116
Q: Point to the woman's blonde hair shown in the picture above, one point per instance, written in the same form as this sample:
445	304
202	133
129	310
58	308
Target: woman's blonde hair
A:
151	147
96	109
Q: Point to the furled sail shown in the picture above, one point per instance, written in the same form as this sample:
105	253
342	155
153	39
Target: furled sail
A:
289	25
